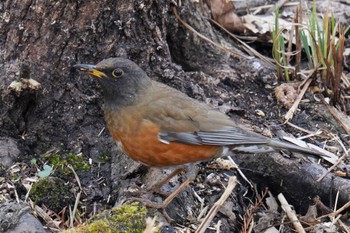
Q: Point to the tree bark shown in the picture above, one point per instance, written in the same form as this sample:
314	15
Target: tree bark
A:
42	40
296	178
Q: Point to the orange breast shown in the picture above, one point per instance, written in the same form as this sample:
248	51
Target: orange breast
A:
139	139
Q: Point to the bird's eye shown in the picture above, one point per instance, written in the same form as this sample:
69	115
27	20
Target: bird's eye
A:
117	73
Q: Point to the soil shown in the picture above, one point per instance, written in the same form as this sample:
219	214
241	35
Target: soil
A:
43	41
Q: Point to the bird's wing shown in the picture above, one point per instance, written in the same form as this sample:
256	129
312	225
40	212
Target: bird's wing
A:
189	121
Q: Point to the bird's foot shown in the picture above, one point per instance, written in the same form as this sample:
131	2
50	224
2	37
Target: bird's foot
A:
155	205
165	203
134	189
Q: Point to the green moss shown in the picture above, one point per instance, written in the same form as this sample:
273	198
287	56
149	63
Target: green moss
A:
78	162
52	192
127	218
15	177
60	162
104	158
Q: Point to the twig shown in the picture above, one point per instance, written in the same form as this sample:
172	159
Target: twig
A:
278	4
77	199
291	111
331	168
336	201
151	226
297	20
335	213
28	192
304	130
16	194
217	226
205	38
341	209
43	214
202	212
337	162
311	135
248	220
340	117
75	175
99	134
344	226
212	212
290	213
258	9
251	51
240	171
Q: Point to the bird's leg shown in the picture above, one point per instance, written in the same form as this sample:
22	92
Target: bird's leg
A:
171	197
166	202
156	188
190	173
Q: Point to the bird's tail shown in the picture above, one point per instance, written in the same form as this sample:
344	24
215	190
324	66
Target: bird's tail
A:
271	146
278	145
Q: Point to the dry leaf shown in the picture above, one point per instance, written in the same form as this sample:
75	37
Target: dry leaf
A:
223	13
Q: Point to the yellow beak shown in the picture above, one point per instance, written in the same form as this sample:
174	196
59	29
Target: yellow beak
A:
90	69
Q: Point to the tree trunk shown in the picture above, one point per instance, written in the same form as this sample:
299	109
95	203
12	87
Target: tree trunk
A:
41	40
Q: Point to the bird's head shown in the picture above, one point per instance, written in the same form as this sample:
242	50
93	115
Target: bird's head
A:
120	79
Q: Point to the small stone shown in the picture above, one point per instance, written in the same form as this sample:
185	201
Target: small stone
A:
8	151
259	113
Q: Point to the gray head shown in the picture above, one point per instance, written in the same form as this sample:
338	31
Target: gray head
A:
120	79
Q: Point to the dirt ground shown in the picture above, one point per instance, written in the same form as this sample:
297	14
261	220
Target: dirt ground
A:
61	113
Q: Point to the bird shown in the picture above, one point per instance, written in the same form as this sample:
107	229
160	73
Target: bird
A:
160	126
